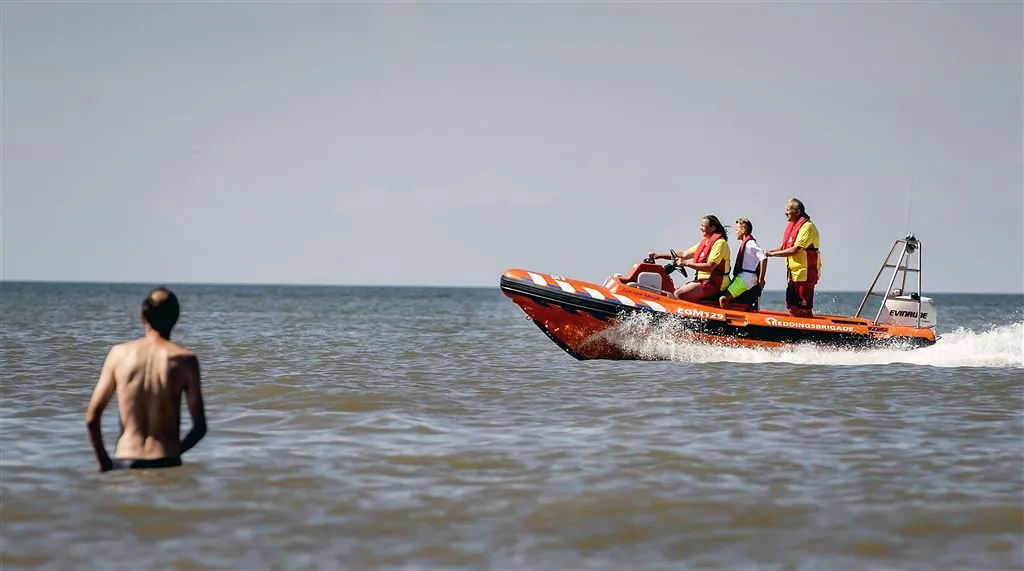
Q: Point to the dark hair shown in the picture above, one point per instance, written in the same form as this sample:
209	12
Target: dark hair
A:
716	224
800	205
161	310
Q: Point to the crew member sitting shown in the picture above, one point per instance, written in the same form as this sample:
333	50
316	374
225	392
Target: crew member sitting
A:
748	271
710	257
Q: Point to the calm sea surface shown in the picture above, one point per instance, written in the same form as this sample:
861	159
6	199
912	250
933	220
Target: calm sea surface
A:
376	428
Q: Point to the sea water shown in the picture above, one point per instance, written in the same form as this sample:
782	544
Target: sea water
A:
429	428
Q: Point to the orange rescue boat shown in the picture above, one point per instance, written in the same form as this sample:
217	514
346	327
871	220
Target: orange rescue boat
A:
582	317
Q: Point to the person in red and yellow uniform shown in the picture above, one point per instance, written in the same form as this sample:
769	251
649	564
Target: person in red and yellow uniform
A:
710	257
800	243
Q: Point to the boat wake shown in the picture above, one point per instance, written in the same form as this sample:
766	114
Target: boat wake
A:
997	346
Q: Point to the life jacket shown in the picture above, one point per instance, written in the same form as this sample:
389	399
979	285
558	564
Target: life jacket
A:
811	252
716	275
738	268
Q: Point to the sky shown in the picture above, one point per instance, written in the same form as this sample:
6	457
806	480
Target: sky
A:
439	144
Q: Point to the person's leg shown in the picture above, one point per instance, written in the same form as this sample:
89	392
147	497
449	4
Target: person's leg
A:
800	299
749	297
708	291
736	289
690	291
806	292
794	303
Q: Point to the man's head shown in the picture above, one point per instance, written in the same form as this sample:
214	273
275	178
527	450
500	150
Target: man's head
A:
160	310
794	210
711	225
743	228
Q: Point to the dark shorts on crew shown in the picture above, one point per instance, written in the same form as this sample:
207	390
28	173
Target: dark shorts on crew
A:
800	294
140	464
749	297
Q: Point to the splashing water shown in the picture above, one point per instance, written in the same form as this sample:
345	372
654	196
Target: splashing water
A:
998	346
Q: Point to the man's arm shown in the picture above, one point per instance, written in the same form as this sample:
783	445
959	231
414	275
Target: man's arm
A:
803	240
101	396
680	254
762	269
194	397
702	267
784	252
716	258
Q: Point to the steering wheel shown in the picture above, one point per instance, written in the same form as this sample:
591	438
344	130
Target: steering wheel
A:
671	266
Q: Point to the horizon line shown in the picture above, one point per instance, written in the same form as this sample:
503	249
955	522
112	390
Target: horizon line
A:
155	283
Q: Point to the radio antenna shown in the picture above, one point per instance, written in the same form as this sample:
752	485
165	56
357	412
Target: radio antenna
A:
910	204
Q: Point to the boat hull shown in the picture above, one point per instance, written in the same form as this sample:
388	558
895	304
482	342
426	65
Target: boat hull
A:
589	321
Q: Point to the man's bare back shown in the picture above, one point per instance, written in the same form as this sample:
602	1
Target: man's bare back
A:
149	376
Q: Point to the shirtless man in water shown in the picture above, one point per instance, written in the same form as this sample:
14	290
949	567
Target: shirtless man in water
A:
149	376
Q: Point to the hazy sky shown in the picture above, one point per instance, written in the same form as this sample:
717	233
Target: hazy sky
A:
441	143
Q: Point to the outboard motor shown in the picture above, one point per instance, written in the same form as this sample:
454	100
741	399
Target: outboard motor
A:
899	307
903	310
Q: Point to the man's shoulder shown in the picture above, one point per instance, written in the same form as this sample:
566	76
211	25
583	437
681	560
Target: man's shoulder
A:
123	347
143	345
720	247
175	348
808	228
181	354
183	364
177	352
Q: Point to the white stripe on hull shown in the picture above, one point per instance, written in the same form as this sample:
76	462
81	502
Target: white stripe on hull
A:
594	293
654	305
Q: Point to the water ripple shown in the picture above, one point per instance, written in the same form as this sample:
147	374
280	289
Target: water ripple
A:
362	428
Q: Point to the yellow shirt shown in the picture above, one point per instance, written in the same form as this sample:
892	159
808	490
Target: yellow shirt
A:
797	263
719	252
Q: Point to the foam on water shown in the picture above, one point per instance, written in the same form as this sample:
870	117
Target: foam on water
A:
997	346
432	428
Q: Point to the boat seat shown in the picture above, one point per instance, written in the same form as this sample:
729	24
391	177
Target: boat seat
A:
650	281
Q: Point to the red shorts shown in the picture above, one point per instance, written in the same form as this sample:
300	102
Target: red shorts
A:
708	289
800	294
